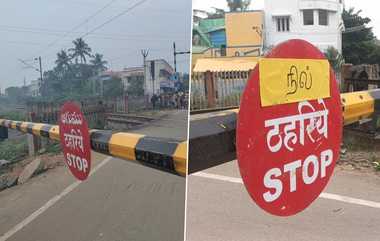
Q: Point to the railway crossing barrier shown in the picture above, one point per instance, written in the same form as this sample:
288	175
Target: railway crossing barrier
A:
164	154
217	129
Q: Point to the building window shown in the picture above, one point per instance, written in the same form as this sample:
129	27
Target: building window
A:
308	17
283	24
323	17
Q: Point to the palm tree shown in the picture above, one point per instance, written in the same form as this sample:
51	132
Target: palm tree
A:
80	50
238	5
98	63
63	60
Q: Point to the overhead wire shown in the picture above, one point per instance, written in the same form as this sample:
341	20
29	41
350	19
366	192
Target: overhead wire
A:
113	18
80	24
92	35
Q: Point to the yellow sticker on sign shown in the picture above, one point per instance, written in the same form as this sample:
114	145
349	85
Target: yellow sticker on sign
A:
284	81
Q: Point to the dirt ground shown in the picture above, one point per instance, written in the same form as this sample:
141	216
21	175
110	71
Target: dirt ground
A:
367	161
10	173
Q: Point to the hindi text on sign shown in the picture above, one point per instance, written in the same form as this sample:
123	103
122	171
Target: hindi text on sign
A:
317	121
74	140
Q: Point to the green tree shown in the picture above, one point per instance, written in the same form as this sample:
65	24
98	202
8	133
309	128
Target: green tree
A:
136	87
98	63
113	87
80	51
63	60
359	42
75	79
238	5
335	58
54	84
15	94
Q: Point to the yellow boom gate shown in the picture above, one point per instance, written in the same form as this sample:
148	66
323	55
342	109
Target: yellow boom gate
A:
168	155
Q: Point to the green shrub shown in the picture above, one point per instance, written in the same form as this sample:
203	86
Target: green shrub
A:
13	115
13	150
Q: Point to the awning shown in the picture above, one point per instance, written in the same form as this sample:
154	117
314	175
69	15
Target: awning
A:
224	64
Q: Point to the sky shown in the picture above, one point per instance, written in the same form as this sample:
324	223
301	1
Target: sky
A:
29	29
367	7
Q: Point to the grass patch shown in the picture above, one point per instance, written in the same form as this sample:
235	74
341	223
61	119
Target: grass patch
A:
13	115
53	148
13	150
17	150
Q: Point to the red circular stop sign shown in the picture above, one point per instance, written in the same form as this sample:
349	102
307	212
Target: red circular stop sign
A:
287	149
75	140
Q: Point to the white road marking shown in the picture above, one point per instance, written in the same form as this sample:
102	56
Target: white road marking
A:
49	203
218	177
349	200
324	195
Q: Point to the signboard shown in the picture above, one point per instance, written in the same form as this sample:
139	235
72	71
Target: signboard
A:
75	140
306	79
287	150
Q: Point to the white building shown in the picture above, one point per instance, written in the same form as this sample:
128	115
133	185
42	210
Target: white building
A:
34	88
158	73
129	75
316	21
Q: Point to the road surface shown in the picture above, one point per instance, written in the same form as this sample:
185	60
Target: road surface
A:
120	201
220	209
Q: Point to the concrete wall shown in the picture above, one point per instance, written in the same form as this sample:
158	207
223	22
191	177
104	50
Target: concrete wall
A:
319	35
243	31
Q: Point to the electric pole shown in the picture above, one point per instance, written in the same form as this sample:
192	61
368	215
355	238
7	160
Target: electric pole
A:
175	56
144	53
40	70
27	65
39	60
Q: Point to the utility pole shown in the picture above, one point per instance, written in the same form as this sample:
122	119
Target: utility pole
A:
39	59
175	56
144	53
40	70
27	65
152	73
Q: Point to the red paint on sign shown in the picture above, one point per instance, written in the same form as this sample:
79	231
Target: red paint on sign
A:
75	140
287	153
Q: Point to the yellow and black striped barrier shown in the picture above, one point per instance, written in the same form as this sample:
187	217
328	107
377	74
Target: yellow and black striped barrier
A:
356	106
360	105
160	153
216	130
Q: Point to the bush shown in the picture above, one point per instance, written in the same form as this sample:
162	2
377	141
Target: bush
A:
13	150
13	115
54	148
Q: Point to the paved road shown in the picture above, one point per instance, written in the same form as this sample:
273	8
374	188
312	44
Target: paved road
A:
120	201
220	209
